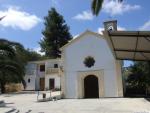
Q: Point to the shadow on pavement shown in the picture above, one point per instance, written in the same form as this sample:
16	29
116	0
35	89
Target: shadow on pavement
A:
148	99
11	111
9	103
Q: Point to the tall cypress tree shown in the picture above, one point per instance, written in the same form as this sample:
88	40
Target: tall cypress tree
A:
56	34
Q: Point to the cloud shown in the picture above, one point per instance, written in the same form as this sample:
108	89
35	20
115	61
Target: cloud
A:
85	15
119	28
55	2
38	50
17	19
116	8
146	26
100	30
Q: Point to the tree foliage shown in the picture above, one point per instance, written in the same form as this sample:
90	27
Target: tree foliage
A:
28	55
13	58
11	68
96	6
139	75
56	34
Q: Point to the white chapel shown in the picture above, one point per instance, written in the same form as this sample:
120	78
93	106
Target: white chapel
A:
87	68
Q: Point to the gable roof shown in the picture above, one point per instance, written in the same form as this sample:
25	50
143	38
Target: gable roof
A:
80	36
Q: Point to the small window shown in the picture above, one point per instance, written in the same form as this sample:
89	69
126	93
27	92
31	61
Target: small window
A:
42	68
28	80
55	65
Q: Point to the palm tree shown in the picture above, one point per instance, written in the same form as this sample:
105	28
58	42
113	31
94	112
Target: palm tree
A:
10	69
96	6
1	18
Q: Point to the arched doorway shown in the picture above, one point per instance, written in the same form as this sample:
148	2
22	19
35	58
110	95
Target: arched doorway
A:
91	89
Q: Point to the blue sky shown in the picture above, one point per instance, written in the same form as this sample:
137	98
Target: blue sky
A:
24	18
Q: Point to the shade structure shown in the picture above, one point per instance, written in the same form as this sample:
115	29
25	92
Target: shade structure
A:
129	45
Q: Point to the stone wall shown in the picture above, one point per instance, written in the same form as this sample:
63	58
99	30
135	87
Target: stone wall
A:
14	87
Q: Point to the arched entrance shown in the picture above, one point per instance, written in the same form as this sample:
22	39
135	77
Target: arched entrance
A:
91	89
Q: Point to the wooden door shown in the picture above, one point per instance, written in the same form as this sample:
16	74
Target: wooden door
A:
42	84
51	83
91	89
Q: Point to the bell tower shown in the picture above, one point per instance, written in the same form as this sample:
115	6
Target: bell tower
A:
110	25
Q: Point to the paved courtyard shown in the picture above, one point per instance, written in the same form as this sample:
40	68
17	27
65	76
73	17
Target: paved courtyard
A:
27	103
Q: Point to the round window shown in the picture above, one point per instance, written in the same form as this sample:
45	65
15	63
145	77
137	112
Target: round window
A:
89	61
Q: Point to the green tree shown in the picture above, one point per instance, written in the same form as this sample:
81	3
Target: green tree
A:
33	55
27	55
140	76
11	70
56	34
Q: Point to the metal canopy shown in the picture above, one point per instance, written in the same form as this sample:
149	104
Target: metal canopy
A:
129	45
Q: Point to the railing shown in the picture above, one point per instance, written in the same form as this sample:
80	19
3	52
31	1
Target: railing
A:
52	70
48	71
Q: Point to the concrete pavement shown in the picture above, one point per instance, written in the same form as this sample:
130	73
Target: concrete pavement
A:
27	103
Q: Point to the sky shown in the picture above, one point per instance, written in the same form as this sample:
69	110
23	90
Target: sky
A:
24	19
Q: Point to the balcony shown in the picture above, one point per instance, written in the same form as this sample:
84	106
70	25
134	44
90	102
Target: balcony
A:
52	70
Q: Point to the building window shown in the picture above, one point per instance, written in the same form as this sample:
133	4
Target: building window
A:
42	68
89	61
28	80
55	65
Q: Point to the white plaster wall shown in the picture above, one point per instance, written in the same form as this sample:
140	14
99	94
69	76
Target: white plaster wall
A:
35	67
54	76
74	55
50	63
31	85
39	73
37	83
30	67
110	83
71	85
119	78
34	84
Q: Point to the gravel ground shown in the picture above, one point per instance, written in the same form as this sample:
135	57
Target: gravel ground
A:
27	103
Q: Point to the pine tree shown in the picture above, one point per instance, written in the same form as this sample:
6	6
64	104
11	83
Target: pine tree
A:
56	34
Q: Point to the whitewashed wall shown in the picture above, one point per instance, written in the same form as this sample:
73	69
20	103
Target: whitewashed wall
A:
74	55
30	74
50	63
31	85
55	77
34	68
